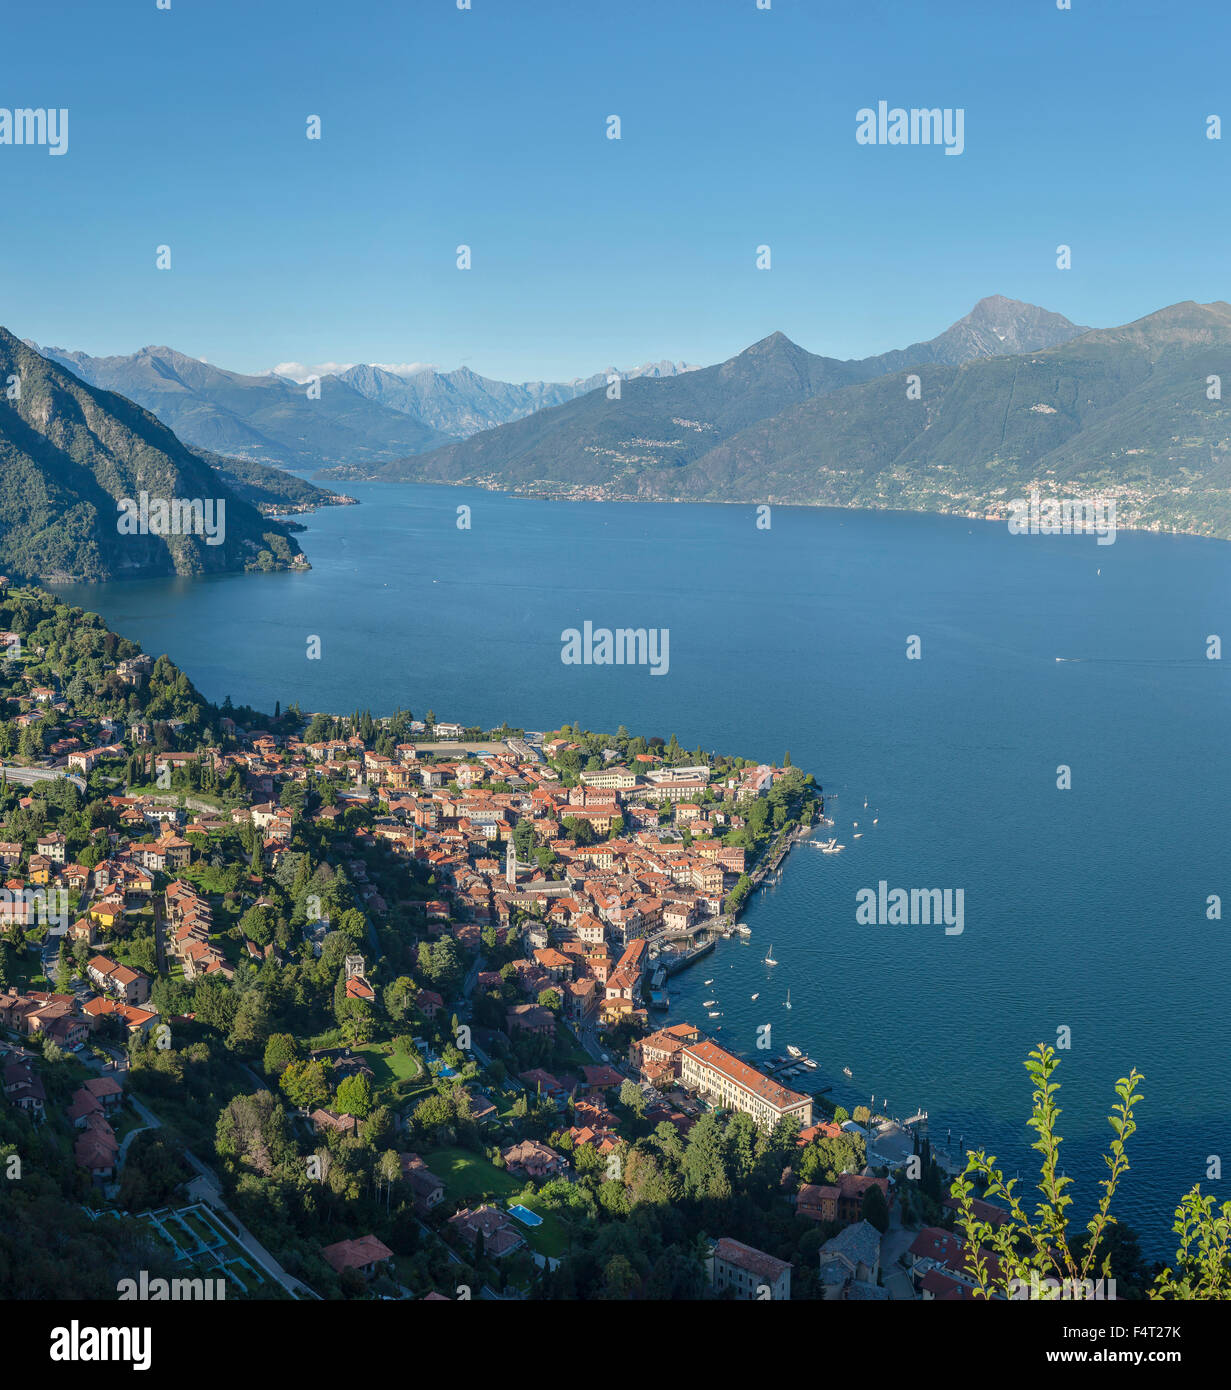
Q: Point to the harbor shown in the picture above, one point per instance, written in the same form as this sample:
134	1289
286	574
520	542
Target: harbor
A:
765	1006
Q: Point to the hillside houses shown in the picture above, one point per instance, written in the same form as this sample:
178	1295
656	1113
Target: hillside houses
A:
421	922
128	985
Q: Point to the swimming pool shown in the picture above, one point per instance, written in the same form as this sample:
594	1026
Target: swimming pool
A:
524	1215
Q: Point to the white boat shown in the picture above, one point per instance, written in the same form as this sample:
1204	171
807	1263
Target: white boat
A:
794	1051
809	1063
875	819
715	1013
846	1071
858	835
757	995
709	1003
865	803
709	982
744	930
769	956
787	1005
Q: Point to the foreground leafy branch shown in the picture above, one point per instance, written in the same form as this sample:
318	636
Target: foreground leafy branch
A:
1031	1255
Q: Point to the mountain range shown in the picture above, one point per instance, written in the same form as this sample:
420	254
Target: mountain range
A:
664	423
263	418
70	453
366	419
1009	399
363	416
460	403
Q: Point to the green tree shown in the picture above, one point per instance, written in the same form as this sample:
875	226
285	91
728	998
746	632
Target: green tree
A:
875	1209
305	1084
704	1167
355	1096
280	1051
631	1097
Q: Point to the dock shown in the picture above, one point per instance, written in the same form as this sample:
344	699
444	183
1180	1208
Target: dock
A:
673	961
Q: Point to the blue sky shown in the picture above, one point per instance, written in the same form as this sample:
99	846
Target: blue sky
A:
187	127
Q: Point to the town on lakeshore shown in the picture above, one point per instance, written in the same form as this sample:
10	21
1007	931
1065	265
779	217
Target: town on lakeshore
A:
313	1006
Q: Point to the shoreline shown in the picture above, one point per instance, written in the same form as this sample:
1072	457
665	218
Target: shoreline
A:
816	504
881	1124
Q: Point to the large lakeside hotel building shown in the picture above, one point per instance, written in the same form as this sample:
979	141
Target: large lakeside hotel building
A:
724	1080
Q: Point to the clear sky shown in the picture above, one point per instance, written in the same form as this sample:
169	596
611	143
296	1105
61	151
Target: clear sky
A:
488	127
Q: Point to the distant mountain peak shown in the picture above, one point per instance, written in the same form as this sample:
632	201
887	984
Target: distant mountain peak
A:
997	306
776	344
998	326
73	452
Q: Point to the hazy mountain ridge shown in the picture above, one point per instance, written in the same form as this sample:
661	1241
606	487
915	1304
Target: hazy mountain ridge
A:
1121	412
262	418
462	402
659	425
593	440
995	327
69	452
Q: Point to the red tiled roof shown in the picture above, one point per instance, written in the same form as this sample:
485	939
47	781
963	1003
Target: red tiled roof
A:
735	1252
744	1075
355	1254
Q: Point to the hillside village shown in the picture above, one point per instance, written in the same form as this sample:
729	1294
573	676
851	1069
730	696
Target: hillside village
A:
359	1007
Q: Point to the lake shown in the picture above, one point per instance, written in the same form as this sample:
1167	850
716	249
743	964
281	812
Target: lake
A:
1084	908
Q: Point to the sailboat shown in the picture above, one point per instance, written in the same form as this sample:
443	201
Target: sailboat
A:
769	955
787	1005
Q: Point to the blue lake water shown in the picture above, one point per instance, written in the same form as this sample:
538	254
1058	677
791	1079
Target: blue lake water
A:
1084	908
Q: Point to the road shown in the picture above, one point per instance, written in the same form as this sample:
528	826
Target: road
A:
27	776
208	1189
160	948
896	1241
